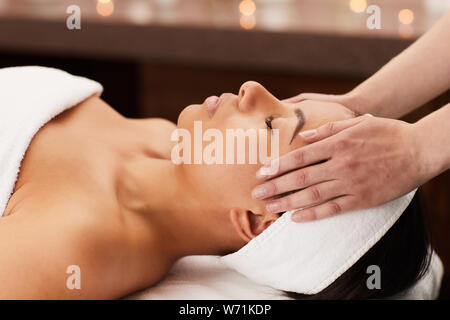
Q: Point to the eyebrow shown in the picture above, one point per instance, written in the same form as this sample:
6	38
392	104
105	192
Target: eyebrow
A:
300	123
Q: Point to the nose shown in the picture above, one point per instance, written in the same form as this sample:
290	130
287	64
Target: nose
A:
253	95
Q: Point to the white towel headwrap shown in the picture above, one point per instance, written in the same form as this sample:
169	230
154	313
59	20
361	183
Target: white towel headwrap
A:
307	257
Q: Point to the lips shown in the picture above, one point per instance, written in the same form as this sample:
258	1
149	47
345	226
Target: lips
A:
213	103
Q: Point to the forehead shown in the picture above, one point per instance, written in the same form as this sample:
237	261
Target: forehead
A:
315	114
318	113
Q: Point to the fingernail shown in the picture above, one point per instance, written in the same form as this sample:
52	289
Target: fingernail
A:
259	193
300	216
273	207
308	133
297	217
268	169
264	172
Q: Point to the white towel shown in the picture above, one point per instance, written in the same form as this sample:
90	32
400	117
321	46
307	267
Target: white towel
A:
205	277
308	257
29	98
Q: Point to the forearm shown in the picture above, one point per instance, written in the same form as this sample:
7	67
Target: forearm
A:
433	141
414	77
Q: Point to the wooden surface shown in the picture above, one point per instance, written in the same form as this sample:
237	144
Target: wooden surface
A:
311	53
344	17
310	36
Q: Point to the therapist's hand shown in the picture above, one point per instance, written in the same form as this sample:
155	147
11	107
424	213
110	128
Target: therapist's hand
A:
350	164
353	100
338	98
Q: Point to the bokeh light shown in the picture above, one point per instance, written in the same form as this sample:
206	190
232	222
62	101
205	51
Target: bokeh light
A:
247	7
248	22
358	6
406	16
105	7
3	4
140	12
405	31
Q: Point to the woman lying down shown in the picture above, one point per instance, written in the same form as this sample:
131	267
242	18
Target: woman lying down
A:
97	196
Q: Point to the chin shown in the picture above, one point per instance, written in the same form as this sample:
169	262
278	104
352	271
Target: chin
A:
190	114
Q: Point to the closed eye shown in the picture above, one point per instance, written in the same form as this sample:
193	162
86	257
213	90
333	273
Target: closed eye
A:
269	122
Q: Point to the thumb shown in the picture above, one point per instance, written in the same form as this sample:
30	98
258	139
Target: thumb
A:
316	97
295	99
329	129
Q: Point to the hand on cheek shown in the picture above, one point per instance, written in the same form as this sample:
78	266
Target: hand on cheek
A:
348	165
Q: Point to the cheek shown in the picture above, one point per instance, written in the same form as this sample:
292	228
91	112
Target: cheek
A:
231	183
235	121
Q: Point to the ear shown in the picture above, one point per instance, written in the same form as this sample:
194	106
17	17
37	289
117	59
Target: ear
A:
248	224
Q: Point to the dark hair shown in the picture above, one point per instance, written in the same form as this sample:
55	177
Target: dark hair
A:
403	255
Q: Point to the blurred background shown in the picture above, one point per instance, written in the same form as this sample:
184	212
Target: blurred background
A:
154	57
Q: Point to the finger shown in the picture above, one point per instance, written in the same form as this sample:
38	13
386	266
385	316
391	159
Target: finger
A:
296	159
325	210
329	129
312	195
316	97
295	180
294	99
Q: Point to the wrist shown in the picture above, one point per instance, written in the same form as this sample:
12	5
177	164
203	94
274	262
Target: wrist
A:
359	102
427	153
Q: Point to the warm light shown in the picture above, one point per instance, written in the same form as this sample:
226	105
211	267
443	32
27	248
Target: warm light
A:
247	7
406	16
140	12
105	7
405	31
358	6
248	22
3	4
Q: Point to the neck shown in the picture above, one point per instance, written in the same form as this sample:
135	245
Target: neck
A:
179	220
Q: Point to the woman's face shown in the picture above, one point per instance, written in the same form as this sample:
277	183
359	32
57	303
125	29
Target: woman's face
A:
229	185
